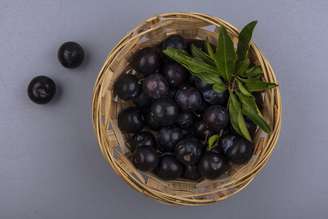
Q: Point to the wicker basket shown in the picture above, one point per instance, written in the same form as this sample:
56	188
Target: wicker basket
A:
112	143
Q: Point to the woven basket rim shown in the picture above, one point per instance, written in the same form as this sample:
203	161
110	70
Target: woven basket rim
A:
134	34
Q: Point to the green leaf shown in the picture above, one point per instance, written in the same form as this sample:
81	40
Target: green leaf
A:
193	65
219	87
255	85
209	49
225	54
253	72
242	89
243	127
211	143
250	109
241	66
244	39
236	117
198	53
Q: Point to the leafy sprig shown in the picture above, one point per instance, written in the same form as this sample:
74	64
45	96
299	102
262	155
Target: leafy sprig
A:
229	68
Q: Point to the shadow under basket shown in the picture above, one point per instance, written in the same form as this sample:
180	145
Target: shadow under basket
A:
105	109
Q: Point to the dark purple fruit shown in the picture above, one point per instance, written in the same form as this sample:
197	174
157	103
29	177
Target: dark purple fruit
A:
212	165
70	54
146	61
202	131
213	97
191	172
169	168
172	93
127	87
41	89
188	132
174	41
216	117
188	151
151	122
186	120
155	86
189	99
201	85
142	100
164	112
250	126
237	149
130	120
143	139
175	74
168	137
145	158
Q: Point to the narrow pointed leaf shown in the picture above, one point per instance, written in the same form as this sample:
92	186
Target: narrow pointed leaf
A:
250	109
219	87
225	54
198	53
244	40
234	109
243	127
211	143
236	117
254	85
192	64
242	89
209	49
242	66
252	72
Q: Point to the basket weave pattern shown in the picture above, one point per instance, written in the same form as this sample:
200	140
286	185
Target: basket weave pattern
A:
112	142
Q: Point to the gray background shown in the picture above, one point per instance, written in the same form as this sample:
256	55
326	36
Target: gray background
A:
50	165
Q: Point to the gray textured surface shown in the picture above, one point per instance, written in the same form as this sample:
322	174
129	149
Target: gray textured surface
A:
50	165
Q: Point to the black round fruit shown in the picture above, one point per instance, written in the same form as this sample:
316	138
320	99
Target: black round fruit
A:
237	149
186	120
250	126
151	122
142	100
191	172
145	158
146	61
216	117
155	86
202	131
189	99
70	54
41	89
213	97
188	151
169	168
172	92
174	41
164	112
175	74
212	165
143	139
200	84
130	120
127	87
168	137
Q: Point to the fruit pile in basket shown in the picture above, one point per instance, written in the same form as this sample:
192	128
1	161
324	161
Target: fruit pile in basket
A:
195	106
